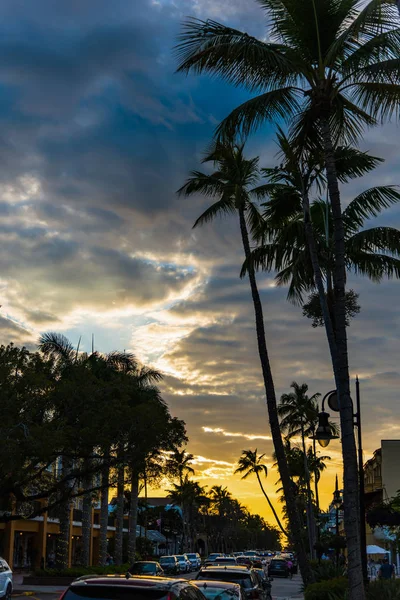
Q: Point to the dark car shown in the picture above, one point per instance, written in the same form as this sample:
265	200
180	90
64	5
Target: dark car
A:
244	560
118	587
243	576
146	567
169	564
265	581
230	561
220	590
278	567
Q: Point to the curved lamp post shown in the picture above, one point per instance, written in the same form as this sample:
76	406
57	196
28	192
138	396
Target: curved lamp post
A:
323	435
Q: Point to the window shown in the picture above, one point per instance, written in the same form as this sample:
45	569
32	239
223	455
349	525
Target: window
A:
114	592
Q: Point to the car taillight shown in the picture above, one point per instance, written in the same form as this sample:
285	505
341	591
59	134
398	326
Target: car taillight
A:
63	594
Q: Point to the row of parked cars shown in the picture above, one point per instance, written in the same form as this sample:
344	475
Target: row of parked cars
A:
147	580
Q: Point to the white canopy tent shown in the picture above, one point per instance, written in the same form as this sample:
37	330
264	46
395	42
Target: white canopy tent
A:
376	550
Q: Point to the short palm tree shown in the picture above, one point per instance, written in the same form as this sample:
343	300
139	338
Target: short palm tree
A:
250	463
233	188
178	464
331	68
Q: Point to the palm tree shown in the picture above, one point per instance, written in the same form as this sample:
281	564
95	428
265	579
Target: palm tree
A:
285	244
332	69
250	463
178	464
190	496
232	187
69	359
298	413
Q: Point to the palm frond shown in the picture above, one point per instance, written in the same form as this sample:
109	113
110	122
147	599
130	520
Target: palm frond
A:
281	103
225	206
375	266
56	345
369	204
381	100
352	163
208	185
208	46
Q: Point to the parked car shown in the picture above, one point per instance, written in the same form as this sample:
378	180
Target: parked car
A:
245	577
6	580
244	561
184	563
220	590
195	560
117	587
225	560
146	567
265	582
170	565
278	567
211	557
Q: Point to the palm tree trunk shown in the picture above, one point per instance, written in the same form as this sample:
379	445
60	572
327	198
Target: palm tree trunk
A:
105	485
312	247
86	520
294	519
270	505
310	512
316	475
133	512
119	529
351	508
63	540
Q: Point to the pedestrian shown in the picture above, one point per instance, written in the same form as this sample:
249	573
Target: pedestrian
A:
386	570
290	566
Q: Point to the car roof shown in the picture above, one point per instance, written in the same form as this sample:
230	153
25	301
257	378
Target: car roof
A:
218	584
235	568
134	580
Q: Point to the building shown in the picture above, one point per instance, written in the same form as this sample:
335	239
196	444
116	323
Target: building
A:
382	482
28	543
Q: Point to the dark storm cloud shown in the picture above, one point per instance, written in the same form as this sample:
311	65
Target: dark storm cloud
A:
97	133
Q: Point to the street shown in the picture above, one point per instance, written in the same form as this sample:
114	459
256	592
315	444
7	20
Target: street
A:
282	589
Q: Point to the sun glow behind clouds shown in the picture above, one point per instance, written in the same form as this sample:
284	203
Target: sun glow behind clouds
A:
247	436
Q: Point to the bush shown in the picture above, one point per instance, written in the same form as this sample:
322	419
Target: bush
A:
79	571
326	569
384	590
332	589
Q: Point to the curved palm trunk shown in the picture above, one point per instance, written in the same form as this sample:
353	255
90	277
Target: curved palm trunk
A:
351	505
270	505
119	526
105	484
312	247
294	519
133	512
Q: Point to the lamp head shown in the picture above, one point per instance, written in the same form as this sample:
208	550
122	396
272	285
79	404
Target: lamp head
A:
323	433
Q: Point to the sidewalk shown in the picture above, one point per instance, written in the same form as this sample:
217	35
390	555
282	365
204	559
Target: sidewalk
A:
30	590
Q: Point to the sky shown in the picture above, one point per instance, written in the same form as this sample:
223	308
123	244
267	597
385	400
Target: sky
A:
97	134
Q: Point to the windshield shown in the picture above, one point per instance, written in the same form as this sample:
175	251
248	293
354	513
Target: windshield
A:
144	568
180	557
191	555
243	579
219	594
114	592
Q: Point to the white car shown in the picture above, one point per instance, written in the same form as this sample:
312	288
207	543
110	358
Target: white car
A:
6	580
195	560
184	563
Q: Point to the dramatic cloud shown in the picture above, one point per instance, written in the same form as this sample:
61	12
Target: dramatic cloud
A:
97	134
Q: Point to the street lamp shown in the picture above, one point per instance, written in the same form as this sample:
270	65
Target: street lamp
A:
323	435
